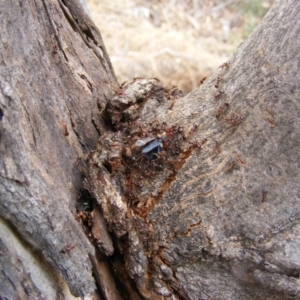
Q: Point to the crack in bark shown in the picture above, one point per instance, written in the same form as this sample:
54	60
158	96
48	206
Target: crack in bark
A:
74	130
19	182
89	84
80	23
30	123
56	32
95	126
168	281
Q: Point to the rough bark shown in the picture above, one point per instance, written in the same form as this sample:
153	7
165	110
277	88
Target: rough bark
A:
214	216
55	80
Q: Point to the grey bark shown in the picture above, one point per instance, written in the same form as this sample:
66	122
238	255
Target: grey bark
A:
55	81
214	216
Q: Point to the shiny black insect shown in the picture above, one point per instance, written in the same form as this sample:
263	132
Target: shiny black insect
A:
151	147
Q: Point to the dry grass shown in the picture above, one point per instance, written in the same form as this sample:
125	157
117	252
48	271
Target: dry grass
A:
177	41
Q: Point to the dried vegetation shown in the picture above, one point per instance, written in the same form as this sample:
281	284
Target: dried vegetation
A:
179	42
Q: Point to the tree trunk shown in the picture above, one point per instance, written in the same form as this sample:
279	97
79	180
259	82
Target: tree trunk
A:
213	215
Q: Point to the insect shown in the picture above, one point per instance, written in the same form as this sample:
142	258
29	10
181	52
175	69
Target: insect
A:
225	65
218	82
219	94
235	163
143	142
86	218
198	144
222	109
192	129
195	144
231	166
264	196
218	147
55	48
67	249
65	128
270	118
171	106
235	120
203	79
152	149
